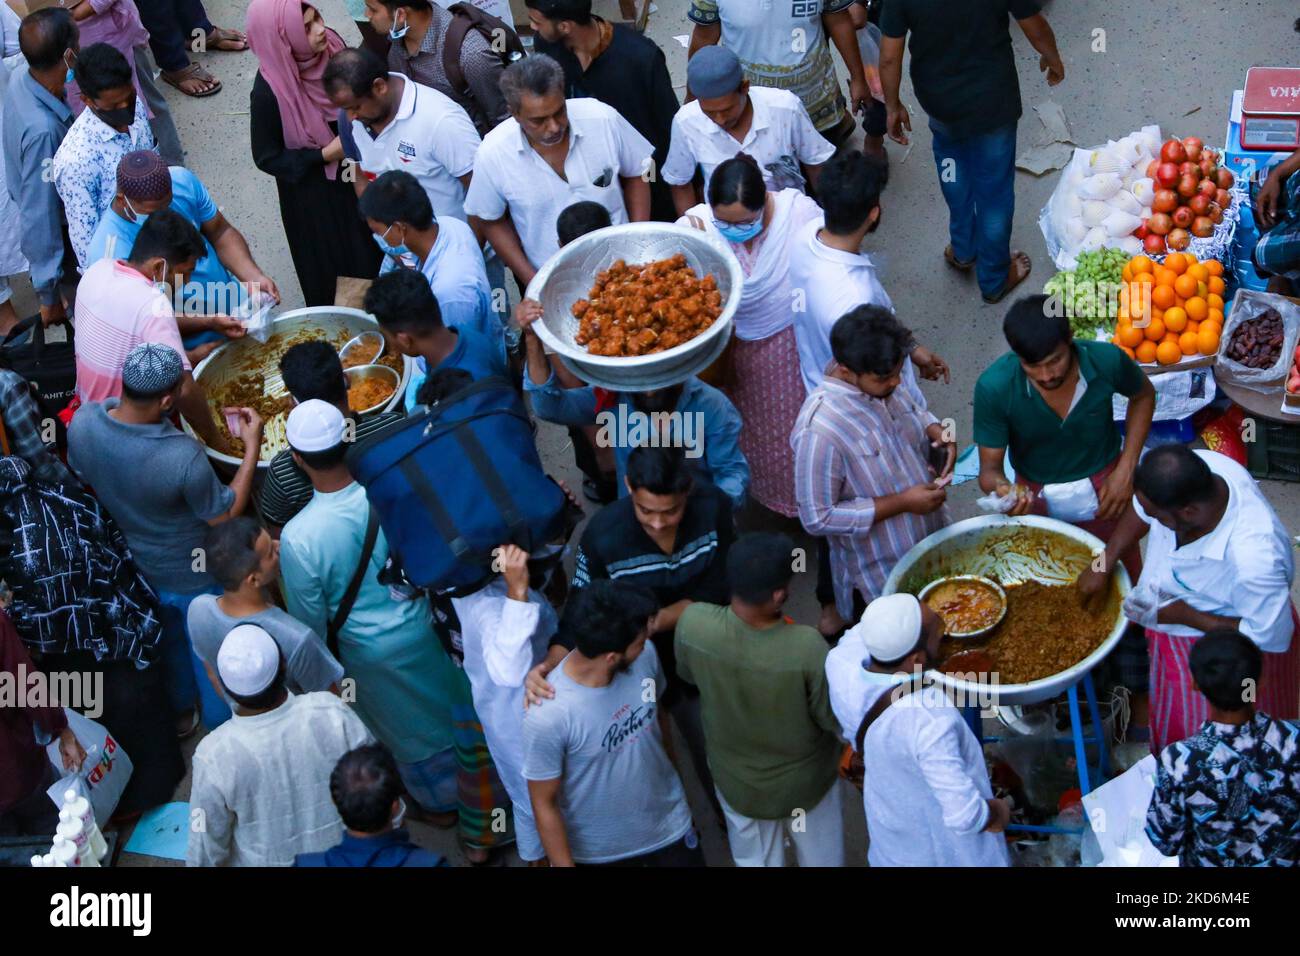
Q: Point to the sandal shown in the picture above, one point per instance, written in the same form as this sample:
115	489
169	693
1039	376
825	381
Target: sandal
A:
1013	280
194	73
226	41
952	260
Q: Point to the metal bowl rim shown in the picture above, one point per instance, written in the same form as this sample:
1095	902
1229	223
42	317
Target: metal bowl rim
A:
989	582
1054	684
735	275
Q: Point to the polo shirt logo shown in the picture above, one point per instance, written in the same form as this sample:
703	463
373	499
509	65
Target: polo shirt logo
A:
406	151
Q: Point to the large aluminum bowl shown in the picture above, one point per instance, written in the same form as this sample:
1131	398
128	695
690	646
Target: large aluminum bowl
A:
570	273
240	356
964	548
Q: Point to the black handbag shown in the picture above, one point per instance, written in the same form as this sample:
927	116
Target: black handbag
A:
49	367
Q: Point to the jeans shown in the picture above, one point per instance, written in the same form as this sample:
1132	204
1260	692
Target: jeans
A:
186	677
977	176
171	25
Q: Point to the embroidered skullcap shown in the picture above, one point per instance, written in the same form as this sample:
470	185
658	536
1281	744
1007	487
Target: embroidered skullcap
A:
151	369
142	176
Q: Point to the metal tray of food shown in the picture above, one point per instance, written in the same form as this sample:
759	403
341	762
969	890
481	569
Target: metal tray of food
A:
568	276
244	368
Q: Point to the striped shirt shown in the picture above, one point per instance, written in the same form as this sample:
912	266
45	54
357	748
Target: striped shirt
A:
850	448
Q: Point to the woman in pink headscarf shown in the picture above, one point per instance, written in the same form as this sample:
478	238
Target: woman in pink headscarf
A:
295	139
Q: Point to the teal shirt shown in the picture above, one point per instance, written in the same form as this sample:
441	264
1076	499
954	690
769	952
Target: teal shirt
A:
1011	414
405	682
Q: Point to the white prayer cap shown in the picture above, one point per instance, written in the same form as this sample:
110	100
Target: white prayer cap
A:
248	660
314	425
890	627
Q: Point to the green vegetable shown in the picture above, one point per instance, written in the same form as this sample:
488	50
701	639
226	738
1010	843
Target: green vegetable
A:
1090	293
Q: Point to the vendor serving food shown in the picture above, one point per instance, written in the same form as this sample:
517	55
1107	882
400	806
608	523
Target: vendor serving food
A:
1217	558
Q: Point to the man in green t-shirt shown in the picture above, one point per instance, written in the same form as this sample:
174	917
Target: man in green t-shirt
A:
1049	400
772	738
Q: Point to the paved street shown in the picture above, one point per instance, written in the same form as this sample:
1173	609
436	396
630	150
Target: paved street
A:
1175	64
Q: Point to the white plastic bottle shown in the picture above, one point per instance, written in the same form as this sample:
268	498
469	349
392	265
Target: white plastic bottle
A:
70	829
65	851
80	808
48	860
38	860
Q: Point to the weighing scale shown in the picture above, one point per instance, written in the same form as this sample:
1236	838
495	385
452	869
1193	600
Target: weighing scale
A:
1270	109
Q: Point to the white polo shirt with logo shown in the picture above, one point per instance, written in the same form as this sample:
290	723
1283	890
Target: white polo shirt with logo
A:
431	137
510	176
780	128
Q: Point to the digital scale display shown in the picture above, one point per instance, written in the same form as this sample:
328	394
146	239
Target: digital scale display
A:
1259	132
1270	109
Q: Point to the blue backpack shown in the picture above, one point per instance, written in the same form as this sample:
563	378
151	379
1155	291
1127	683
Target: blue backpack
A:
452	482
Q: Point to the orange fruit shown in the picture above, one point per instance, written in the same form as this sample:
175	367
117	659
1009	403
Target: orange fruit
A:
1146	352
1215	301
1162	296
1188	343
1144	278
1175	319
1185	286
1127	274
1197	308
1192	326
1129	352
1202	289
1215	267
1207	339
1165	276
1199	272
1130	336
1215	285
1141	264
1168	353
1155	331
1176	262
1189	257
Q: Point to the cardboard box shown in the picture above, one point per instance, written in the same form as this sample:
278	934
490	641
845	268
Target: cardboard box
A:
1246	166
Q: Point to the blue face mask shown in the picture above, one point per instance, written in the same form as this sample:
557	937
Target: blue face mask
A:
395	32
69	76
734	232
395	251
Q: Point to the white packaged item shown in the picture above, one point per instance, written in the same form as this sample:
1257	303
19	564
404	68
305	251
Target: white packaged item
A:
1144	191
104	773
1125	201
1096	238
1119	223
65	852
1075	230
1071	500
1117	814
1101	186
1094	212
1130	244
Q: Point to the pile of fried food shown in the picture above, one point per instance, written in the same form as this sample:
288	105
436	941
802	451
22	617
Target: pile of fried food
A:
638	310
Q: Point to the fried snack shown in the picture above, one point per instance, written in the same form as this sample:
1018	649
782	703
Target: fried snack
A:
639	310
366	393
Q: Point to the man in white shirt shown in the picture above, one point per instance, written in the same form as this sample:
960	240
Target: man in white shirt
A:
926	788
505	631
1217	557
398	124
727	117
550	154
261	780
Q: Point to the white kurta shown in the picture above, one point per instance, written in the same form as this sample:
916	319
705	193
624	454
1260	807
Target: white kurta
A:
262	783
503	640
925	784
11	256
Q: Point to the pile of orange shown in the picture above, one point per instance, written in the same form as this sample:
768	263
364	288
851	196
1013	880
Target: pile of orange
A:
1185	317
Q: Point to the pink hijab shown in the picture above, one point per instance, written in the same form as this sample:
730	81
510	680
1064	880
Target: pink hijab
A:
293	71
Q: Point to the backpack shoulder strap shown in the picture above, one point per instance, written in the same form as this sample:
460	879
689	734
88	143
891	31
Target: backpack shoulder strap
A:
354	586
461	24
882	704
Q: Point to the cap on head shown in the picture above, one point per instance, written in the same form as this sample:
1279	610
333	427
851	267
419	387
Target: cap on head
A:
248	660
890	627
714	71
314	426
142	176
151	369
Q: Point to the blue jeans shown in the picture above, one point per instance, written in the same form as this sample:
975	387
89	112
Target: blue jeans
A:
186	677
977	176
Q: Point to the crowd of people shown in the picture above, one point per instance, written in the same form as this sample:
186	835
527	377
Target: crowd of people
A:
561	714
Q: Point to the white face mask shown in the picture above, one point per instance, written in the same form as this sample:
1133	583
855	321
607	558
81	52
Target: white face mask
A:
401	813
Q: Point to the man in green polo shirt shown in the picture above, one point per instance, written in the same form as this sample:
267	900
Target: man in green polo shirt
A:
772	738
1049	401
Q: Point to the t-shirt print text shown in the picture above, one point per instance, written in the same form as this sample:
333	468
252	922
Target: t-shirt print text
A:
805	8
406	151
628	721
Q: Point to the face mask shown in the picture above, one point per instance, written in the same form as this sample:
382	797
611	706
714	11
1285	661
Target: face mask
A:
395	251
160	282
134	216
69	76
124	116
733	232
401	813
395	32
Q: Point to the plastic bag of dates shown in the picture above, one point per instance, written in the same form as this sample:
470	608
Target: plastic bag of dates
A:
1258	341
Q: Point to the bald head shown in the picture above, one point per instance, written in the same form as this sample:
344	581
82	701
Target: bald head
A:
1173	477
45	36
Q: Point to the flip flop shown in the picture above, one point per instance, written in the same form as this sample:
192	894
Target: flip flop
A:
995	299
192	72
219	36
956	263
